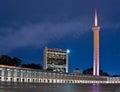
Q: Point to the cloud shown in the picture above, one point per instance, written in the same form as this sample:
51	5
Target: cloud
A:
39	34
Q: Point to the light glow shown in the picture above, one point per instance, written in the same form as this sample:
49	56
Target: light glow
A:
96	21
68	51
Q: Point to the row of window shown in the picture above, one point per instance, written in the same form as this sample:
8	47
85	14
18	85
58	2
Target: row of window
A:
35	80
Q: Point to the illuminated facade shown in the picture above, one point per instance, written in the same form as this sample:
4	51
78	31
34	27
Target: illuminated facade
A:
96	47
27	75
19	74
55	60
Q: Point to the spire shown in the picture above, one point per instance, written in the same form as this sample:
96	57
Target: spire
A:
96	19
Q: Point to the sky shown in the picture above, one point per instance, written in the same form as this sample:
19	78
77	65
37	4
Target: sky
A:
27	26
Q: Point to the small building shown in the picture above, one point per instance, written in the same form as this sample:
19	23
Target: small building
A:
76	71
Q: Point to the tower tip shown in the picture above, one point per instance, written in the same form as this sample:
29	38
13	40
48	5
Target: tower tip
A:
96	20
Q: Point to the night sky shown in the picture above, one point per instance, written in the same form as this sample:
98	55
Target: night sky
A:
27	26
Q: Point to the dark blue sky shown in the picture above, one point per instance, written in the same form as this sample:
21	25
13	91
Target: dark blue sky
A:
27	26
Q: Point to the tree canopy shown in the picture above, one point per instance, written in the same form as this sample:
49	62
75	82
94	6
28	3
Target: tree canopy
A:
6	60
32	65
15	61
90	72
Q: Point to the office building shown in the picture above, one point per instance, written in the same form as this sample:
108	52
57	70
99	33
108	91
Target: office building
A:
55	59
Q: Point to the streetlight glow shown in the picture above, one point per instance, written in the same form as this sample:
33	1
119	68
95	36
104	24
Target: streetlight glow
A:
68	51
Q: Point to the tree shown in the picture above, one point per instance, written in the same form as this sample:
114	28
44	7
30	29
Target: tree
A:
6	60
32	65
16	61
90	72
48	69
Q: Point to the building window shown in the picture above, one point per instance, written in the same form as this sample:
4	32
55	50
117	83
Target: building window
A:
48	81
68	81
28	80
65	82
17	80
23	80
52	81
40	80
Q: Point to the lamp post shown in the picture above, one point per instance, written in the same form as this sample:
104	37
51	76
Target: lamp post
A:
67	53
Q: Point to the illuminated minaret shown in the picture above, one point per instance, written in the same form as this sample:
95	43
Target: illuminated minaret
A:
96	47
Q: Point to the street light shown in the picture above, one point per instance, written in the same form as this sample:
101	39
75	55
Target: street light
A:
68	51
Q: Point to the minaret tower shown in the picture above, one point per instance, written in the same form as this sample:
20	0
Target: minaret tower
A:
96	29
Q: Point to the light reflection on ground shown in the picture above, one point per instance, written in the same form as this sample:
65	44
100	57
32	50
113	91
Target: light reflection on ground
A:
32	87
